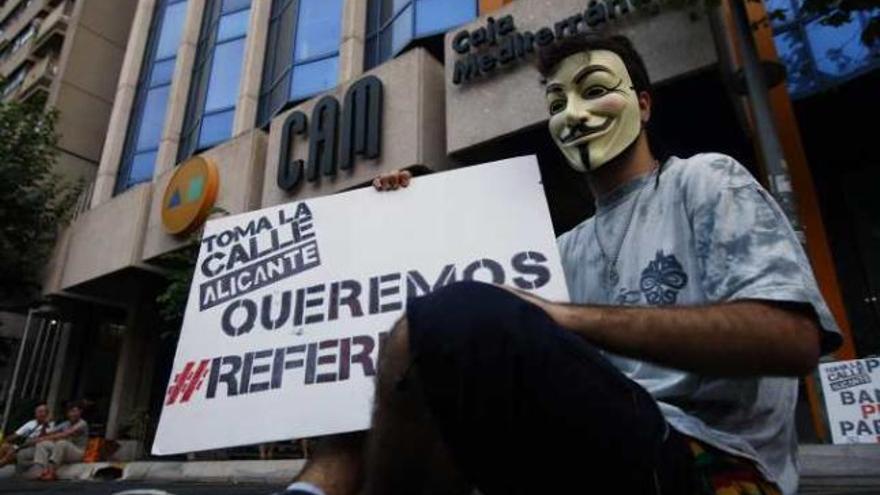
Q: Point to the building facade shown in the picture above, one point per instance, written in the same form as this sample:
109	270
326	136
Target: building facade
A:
64	55
293	99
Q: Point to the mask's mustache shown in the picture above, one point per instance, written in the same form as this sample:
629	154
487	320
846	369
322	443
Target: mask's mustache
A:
582	129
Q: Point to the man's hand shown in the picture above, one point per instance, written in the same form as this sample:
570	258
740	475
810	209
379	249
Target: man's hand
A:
392	180
741	338
556	311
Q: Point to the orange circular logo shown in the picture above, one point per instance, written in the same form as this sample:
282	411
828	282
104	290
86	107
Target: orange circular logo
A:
190	195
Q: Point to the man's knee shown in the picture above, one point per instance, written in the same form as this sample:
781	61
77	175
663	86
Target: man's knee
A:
472	315
63	444
25	455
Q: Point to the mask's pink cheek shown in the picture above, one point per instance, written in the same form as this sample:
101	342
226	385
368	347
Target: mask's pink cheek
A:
612	104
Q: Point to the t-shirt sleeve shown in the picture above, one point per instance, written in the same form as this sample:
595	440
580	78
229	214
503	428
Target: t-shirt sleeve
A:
745	246
26	429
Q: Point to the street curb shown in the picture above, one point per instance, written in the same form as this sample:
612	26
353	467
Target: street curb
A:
281	471
214	471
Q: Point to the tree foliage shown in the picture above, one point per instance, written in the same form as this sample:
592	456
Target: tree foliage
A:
34	201
179	267
828	12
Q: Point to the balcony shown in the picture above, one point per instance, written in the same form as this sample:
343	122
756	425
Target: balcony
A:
51	29
23	18
15	59
39	79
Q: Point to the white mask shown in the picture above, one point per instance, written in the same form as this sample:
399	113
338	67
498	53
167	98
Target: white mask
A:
592	104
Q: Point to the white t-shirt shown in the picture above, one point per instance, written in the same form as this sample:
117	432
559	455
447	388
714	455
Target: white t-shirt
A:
32	429
707	232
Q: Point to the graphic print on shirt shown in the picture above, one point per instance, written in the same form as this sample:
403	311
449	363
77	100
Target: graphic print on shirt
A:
662	279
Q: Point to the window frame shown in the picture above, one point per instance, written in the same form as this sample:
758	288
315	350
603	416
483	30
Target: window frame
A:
265	113
200	84
135	120
375	36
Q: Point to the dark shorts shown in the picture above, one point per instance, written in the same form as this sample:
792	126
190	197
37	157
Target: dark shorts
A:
526	406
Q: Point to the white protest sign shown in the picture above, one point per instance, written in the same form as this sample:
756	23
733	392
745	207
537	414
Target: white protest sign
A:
289	304
852	399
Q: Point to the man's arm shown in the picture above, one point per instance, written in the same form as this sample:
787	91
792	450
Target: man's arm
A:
60	435
740	338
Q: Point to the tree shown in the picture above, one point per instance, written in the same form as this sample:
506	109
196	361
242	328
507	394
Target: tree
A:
839	12
34	201
179	267
828	12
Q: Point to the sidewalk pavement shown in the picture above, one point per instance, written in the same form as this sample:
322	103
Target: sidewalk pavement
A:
825	469
280	472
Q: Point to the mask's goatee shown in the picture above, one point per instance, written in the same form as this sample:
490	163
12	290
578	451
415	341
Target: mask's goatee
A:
585	156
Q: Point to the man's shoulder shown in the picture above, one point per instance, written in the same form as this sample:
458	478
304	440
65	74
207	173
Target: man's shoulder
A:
702	177
710	170
576	236
30	424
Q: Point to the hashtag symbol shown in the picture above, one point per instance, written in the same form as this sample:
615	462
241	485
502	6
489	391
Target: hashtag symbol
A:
185	383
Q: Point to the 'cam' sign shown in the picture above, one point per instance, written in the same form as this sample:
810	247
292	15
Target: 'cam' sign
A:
333	143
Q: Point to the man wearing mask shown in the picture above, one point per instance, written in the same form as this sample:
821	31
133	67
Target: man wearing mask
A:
674	368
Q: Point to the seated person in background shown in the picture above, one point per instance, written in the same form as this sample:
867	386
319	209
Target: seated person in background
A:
19	447
64	443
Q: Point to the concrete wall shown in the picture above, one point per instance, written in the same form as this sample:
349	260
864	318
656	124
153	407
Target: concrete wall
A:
412	129
671	43
107	238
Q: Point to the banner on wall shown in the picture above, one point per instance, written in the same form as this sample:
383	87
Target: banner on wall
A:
289	305
852	399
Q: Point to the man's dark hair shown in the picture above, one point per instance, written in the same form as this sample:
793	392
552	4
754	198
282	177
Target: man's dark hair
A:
550	56
74	403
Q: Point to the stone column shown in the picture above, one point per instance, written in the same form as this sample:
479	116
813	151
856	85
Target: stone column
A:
354	32
252	68
58	367
134	368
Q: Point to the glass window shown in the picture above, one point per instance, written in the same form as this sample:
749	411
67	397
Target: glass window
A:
216	127
151	98
234	5
225	75
162	72
393	24
313	77
169	39
319	29
152	118
216	76
142	167
233	25
302	52
434	16
819	56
